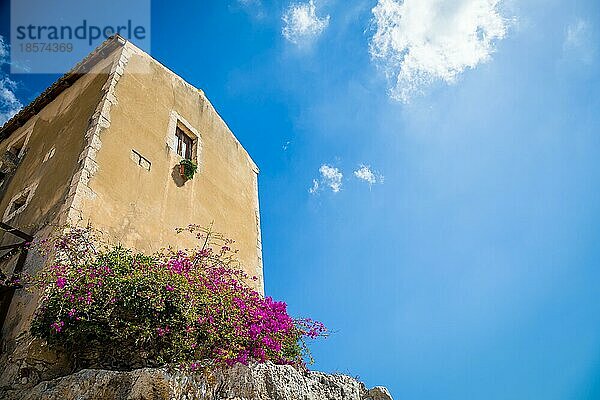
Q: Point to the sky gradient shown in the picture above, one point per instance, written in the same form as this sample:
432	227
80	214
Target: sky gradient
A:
469	267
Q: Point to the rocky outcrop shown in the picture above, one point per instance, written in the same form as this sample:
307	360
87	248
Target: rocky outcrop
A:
256	382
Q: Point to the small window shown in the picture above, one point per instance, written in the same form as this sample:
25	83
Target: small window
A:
184	144
19	202
183	139
140	160
16	149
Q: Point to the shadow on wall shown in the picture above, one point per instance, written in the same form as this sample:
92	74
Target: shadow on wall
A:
176	175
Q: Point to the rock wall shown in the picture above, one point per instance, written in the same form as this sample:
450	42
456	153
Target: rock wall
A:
256	382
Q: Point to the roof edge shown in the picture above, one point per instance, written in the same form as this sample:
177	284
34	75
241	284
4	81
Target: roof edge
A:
80	69
131	45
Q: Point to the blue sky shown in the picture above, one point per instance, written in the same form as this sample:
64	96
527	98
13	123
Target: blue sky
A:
469	267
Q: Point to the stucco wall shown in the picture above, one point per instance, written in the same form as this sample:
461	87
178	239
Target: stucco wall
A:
142	207
56	141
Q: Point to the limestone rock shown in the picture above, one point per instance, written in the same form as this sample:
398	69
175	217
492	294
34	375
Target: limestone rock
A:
256	382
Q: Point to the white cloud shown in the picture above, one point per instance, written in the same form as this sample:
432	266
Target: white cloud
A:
254	8
3	51
314	188
301	23
331	177
419	42
579	41
9	104
364	173
576	33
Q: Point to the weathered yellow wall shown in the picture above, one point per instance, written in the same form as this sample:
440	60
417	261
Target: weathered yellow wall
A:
60	125
141	208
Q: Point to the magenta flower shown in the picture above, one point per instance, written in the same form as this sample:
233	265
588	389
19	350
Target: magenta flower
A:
162	331
56	327
206	310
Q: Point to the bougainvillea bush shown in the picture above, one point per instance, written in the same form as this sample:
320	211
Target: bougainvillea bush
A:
111	307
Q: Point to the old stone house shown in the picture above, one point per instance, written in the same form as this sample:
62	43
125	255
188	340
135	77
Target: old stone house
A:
102	145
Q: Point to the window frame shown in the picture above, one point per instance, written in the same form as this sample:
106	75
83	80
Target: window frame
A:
20	141
177	123
10	212
183	139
